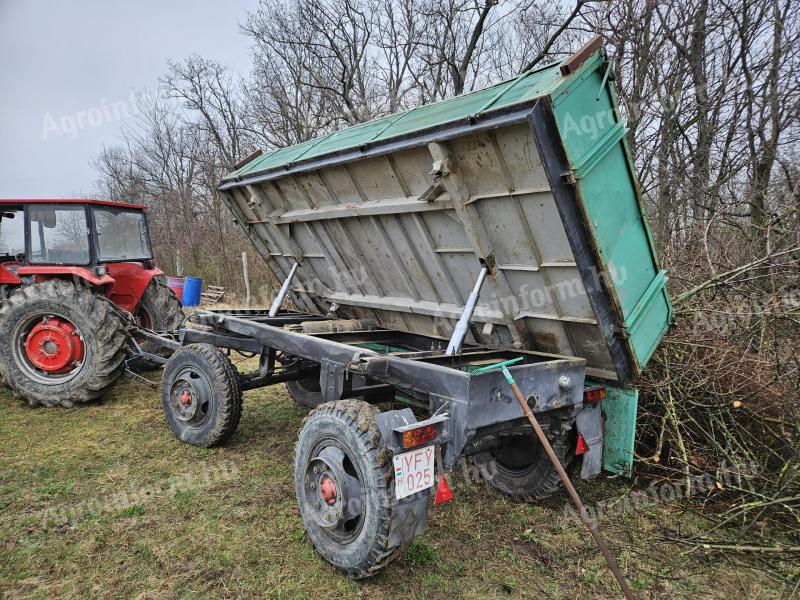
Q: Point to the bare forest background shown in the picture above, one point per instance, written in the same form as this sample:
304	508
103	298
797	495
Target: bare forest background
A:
711	93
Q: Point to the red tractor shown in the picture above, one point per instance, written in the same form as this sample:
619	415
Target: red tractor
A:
77	277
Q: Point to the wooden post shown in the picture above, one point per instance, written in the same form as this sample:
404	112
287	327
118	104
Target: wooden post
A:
246	279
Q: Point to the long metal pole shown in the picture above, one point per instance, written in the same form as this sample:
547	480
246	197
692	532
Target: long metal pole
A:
573	494
276	304
460	332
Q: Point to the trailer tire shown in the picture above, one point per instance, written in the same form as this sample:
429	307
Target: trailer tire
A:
201	395
342	439
520	468
159	310
306	392
67	309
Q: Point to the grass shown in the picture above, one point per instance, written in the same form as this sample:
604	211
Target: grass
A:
102	501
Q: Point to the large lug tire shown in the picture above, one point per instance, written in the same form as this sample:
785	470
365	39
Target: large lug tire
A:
306	392
158	310
521	468
201	395
344	483
62	344
5	292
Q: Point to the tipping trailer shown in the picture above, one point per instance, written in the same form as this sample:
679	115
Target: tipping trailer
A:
417	248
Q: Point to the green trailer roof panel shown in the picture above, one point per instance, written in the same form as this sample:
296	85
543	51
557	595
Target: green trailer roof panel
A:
507	93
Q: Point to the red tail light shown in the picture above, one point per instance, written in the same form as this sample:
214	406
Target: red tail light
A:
421	435
594	394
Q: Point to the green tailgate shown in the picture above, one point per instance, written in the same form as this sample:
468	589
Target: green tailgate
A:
593	135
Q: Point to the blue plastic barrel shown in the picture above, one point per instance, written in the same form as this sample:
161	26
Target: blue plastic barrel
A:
192	287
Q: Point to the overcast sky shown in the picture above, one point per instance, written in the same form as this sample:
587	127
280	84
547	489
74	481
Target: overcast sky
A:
69	68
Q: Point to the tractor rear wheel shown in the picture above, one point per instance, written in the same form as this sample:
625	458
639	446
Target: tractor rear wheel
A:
158	310
521	469
62	344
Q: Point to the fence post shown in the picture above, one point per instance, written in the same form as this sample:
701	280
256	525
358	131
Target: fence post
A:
246	278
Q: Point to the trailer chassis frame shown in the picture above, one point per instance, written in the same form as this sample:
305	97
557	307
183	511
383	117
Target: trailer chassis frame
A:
468	411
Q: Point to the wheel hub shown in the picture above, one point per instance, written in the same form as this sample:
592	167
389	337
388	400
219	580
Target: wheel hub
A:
54	345
333	497
328	490
188	395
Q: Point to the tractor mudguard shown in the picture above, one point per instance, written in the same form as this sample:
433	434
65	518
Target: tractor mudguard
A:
7	276
130	281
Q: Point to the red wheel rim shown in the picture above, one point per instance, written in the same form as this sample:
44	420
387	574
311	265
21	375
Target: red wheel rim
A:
54	346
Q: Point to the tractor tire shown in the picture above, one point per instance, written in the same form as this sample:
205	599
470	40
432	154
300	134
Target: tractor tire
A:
5	292
201	395
306	392
344	483
60	371
520	468
159	310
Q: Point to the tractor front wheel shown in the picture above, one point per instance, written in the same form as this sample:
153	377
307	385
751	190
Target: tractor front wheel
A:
62	344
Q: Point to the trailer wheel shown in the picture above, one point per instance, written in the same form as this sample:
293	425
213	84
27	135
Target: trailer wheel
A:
61	344
344	484
521	469
201	395
306	392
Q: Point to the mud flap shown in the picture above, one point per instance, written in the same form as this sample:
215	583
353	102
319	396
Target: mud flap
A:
411	518
590	428
411	513
619	410
390	420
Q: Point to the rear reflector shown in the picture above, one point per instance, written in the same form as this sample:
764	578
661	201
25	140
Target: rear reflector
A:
443	492
581	447
594	394
421	435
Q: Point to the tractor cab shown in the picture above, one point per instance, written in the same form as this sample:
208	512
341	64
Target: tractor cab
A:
74	233
105	244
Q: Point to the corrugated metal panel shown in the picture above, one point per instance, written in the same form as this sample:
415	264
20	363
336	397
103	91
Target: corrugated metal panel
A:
508	93
382	236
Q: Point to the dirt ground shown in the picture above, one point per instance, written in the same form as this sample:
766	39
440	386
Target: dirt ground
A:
102	501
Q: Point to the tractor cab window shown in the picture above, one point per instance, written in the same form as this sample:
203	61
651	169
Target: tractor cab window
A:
121	234
12	233
59	235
